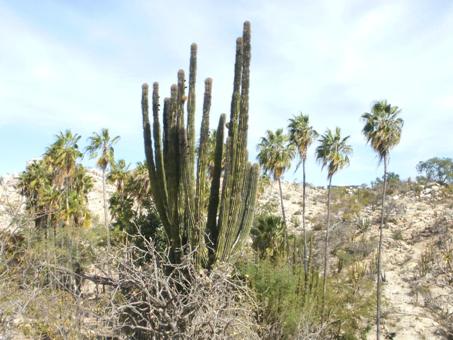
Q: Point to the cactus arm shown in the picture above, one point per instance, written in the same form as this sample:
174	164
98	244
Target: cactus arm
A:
158	158
149	158
240	165
230	153
191	106
202	159
237	164
183	213
248	207
172	169
166	133
211	224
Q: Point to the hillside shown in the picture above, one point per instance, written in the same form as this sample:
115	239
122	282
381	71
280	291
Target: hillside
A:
418	241
418	287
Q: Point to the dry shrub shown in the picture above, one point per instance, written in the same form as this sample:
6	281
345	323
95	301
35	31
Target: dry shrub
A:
153	298
144	295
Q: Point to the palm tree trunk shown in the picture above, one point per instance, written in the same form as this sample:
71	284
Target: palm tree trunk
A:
379	265
304	230
326	246
283	214
105	209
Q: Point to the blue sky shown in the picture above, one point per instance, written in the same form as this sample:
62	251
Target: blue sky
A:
80	65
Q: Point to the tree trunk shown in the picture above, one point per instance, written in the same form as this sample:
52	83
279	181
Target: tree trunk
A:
326	246
105	209
285	226
304	230
379	264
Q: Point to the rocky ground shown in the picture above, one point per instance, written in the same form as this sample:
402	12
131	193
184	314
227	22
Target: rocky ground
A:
418	250
418	241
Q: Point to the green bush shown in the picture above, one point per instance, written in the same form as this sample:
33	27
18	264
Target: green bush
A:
436	170
267	235
397	235
291	312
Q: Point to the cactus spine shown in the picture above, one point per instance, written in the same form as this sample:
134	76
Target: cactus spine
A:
178	170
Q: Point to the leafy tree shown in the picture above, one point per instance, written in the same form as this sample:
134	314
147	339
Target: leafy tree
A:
393	182
383	131
302	135
437	170
101	147
274	155
56	187
35	184
333	152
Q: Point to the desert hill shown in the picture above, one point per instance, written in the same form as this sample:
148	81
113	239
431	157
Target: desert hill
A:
418	243
418	256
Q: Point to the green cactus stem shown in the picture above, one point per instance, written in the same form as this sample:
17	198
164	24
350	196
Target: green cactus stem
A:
178	170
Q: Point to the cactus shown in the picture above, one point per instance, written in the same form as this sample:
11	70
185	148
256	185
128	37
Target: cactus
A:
177	169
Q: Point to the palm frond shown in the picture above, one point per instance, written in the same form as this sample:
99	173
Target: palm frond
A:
333	151
382	127
275	153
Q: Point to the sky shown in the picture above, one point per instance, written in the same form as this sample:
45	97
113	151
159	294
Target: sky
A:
79	65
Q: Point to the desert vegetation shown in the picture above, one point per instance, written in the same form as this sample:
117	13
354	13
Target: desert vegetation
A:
193	243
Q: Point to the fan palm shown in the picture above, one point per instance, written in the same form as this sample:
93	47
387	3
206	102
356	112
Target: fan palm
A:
101	147
34	183
83	184
274	155
140	183
267	235
62	157
333	152
383	131
118	175
301	135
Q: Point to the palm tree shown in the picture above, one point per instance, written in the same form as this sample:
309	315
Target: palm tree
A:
267	235
333	152
118	175
274	155
34	184
140	184
83	184
301	135
383	131
62	157
101	147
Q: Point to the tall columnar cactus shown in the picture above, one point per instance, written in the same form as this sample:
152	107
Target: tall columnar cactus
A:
177	169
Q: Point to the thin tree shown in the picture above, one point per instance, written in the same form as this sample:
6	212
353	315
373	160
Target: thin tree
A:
333	152
302	135
67	196
101	147
275	154
383	131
